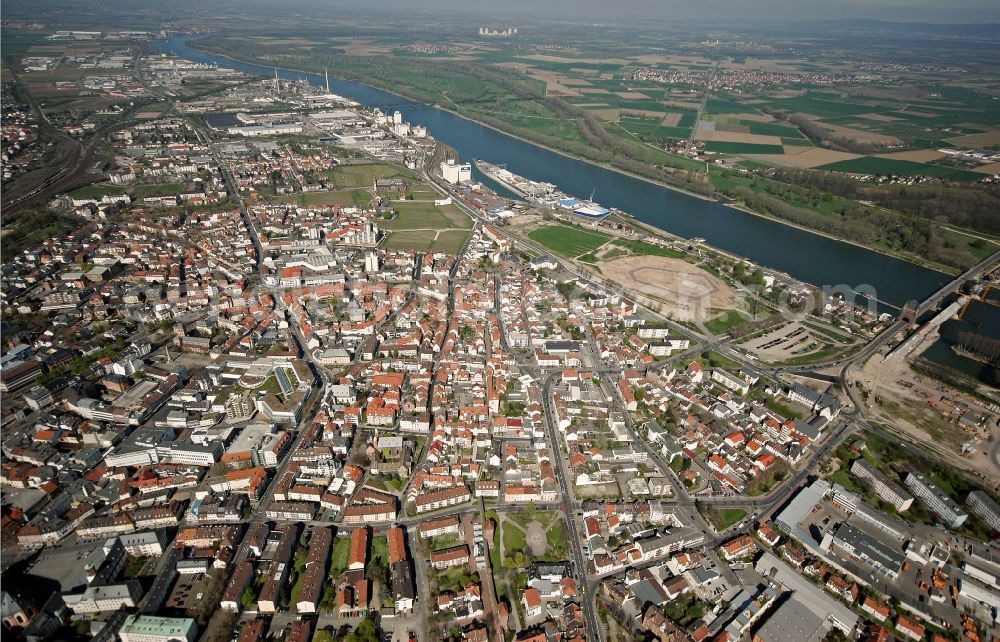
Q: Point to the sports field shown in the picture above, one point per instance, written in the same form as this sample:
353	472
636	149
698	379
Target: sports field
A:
568	241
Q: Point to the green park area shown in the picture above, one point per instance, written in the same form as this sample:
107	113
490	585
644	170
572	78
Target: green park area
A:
530	534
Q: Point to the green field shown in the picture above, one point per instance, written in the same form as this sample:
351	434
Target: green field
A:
827	108
722	323
339	556
724	147
513	539
647	249
568	241
771	129
887	166
97	191
447	241
450	241
721	519
158	189
342	198
363	174
650	128
422	215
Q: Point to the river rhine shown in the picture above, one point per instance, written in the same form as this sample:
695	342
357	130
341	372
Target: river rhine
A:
805	256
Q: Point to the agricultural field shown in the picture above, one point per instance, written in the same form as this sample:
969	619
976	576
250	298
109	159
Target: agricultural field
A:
725	147
889	166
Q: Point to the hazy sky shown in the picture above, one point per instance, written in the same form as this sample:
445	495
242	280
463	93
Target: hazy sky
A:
977	12
952	11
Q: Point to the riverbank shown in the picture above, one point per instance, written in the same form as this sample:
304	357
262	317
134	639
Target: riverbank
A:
728	201
555	150
806	256
930	265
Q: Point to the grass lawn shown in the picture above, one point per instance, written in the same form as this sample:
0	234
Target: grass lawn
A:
779	408
836	336
342	198
158	189
568	241
555	535
685	609
363	174
724	322
717	360
647	249
419	215
97	191
448	241
380	551
543	517
134	567
813	357
845	479
410	240
451	241
339	556
296	589
513	539
721	519
445	541
453	579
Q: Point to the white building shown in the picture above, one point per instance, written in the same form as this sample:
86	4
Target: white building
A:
148	628
455	173
144	544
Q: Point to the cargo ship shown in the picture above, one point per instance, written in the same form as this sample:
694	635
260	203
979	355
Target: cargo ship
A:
521	186
543	193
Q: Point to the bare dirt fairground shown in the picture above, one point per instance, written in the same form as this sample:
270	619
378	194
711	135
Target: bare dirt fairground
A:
689	290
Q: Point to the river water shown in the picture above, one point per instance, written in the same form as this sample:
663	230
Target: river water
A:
805	256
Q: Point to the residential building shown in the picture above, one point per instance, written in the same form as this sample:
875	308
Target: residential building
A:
448	557
887	490
148	628
939	503
315	571
983	506
426	502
